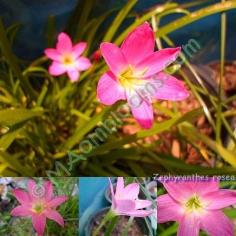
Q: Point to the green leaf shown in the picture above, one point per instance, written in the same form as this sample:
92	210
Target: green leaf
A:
118	20
194	16
10	117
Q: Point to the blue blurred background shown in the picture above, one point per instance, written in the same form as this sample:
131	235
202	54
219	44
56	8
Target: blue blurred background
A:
33	16
91	198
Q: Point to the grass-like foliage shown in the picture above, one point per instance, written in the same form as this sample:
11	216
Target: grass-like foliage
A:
44	119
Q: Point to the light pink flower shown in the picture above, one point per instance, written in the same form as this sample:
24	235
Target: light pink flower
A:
125	200
136	74
67	58
196	205
38	203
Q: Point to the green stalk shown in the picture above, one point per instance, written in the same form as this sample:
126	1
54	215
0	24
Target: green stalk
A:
126	229
111	226
109	216
221	83
8	54
194	16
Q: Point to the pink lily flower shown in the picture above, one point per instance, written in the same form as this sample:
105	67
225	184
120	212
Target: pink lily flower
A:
136	74
67	58
125	200
196	205
39	204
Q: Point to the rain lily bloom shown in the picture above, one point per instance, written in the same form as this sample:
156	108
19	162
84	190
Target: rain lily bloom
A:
196	205
125	200
67	58
38	203
136	74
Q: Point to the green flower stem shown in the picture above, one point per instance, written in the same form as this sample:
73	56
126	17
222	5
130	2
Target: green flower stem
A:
108	217
111	226
126	229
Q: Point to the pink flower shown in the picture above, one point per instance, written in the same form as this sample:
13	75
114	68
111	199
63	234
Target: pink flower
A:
39	204
136	74
196	205
125	200
67	58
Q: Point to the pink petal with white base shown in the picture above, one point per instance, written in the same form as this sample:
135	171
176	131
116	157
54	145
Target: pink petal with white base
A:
56	68
189	226
21	195
220	199
158	61
139	213
114	57
21	211
138	44
48	188
79	48
39	223
64	43
55	202
108	90
124	205
180	191
139	204
83	63
73	75
54	215
142	112
52	54
167	87
119	186
131	191
168	209
215	223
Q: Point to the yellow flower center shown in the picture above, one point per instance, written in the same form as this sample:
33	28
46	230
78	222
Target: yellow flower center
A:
68	60
128	79
38	207
194	205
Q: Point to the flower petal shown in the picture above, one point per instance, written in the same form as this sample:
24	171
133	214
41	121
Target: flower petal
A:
73	75
167	87
108	90
220	199
131	191
168	209
157	61
82	63
55	202
64	43
217	224
124	206
139	204
138	44
32	188
22	196
48	189
79	48
114	57
54	215
21	211
180	191
141	109
189	225
39	223
56	68
52	54
119	187
139	213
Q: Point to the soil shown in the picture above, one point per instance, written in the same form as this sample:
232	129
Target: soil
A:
134	230
169	142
